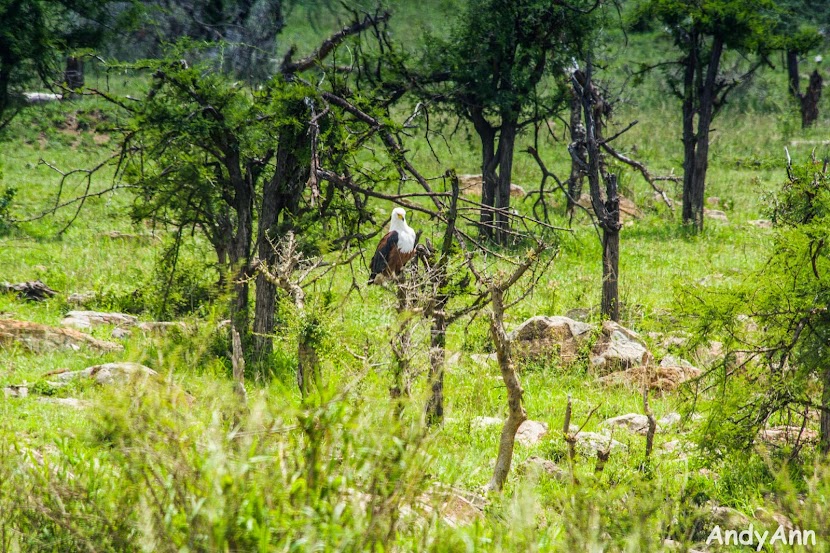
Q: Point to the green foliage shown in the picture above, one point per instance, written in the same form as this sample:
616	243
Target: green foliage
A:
6	198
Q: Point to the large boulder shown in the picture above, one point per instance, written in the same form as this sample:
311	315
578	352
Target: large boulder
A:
618	348
84	320
41	338
660	379
589	443
109	373
633	422
531	433
541	337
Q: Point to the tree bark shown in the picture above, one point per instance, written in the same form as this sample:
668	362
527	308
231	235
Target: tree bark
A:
73	75
689	136
578	143
438	335
516	414
810	100
611	253
487	135
280	193
507	141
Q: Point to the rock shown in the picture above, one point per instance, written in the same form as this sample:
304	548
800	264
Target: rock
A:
33	290
591	442
531	433
730	518
669	419
484	359
781	435
618	348
120	333
536	466
715	215
471	185
760	223
41	338
672	446
109	373
542	337
633	422
455	507
480	423
581	314
628	209
16	390
41	97
713	200
710	474
81	298
660	379
88	319
66	401
676	545
773	519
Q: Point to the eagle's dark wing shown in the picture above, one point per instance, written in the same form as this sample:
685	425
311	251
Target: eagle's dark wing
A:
380	261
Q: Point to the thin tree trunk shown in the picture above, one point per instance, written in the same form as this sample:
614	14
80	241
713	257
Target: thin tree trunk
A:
489	163
73	75
611	253
516	413
701	161
792	74
438	336
689	138
507	141
578	143
810	100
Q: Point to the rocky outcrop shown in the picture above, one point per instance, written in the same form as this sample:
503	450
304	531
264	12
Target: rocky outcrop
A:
84	320
42	338
108	373
715	215
633	422
33	290
537	466
618	348
541	337
531	433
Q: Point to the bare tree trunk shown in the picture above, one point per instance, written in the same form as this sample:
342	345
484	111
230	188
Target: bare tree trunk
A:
516	413
578	144
73	75
807	102
690	211
438	336
611	253
489	162
507	141
825	414
810	100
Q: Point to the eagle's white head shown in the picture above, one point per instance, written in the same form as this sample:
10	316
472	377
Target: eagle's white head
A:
398	221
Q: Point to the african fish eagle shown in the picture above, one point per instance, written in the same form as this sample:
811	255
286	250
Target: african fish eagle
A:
395	249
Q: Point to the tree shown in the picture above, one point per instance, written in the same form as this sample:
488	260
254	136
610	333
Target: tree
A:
777	319
491	72
798	25
703	31
35	33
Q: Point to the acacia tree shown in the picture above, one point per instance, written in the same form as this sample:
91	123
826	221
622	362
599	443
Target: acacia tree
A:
493	71
786	301
798	25
703	31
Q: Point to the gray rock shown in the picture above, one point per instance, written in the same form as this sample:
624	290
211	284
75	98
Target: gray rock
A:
537	467
66	401
484	359
480	423
633	422
108	373
84	320
715	215
760	223
591	442
618	348
542	336
531	433
669	419
16	390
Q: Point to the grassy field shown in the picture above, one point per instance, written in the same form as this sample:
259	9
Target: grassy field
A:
146	468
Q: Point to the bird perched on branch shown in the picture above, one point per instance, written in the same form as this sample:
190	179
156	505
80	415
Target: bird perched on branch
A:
395	249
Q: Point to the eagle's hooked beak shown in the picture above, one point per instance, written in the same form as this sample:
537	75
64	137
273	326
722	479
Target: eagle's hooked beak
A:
400	216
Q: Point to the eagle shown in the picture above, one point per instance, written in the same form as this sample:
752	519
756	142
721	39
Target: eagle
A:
395	249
